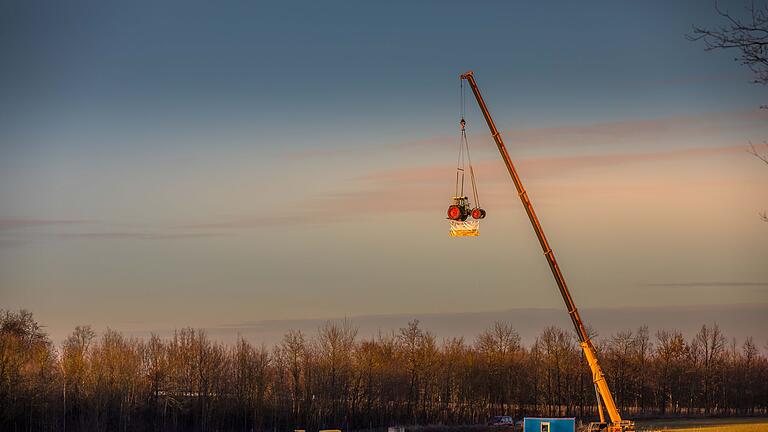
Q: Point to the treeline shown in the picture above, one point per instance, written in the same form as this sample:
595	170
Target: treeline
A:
334	379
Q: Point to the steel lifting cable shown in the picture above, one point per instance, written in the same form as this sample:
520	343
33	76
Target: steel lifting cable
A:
460	171
464	146
460	160
471	169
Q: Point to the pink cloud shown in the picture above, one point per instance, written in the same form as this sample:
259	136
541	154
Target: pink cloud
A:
383	192
494	170
425	188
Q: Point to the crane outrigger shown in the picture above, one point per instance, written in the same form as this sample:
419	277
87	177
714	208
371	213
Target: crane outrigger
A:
604	396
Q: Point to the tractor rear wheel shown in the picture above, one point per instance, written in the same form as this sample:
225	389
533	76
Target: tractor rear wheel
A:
454	212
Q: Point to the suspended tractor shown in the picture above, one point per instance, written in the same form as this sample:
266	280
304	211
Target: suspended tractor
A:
461	209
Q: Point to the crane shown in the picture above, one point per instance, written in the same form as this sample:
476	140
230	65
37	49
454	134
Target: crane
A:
603	393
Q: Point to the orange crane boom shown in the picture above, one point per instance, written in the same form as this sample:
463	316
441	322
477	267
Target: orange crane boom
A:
617	424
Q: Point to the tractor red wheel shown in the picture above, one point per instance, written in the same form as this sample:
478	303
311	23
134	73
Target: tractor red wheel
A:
478	213
454	212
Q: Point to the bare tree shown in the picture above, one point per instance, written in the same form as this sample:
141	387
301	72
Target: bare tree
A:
672	360
26	372
749	36
619	355
192	383
75	363
498	348
293	350
708	347
334	347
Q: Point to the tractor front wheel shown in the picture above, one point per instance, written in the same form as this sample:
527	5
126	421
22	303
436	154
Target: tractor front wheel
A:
478	213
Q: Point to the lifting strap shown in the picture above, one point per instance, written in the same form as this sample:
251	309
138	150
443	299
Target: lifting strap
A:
463	162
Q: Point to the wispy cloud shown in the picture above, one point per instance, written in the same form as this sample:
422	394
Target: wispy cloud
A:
139	235
16	223
421	143
89	229
645	132
708	284
310	213
742	76
672	128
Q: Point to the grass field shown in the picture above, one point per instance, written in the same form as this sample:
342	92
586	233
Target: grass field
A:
704	425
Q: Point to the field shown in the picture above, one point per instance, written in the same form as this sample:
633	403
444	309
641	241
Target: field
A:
704	425
743	424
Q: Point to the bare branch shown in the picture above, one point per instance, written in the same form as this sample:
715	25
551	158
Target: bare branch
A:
754	152
749	36
763	157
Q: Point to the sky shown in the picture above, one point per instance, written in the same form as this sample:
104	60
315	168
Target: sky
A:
170	164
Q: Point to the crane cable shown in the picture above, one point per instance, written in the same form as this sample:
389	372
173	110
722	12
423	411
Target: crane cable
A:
460	160
464	147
